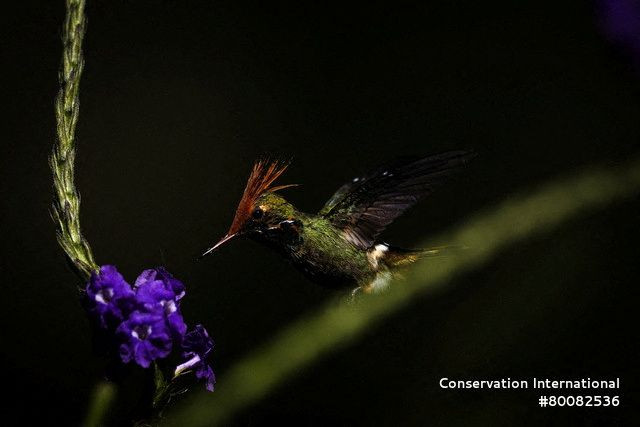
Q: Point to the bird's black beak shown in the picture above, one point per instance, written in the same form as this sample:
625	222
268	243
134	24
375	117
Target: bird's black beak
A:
225	239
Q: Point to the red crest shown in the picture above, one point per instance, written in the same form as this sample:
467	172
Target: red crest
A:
263	175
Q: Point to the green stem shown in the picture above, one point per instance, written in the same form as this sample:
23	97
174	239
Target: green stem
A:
66	204
101	401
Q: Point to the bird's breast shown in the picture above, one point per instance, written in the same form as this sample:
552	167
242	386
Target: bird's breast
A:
328	259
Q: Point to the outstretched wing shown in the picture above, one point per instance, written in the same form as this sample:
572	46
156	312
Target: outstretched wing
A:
363	207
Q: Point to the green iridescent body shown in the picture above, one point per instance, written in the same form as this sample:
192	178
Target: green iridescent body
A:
314	245
339	245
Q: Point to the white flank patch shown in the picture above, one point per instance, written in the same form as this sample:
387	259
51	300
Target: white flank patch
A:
376	253
381	247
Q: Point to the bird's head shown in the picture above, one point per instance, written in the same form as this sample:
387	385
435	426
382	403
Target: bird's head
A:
261	212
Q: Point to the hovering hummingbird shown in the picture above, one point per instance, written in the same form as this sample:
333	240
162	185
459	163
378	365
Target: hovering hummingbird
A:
339	246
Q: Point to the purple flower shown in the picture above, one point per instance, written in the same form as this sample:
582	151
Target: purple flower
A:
620	22
159	274
149	319
156	291
144	338
109	297
196	346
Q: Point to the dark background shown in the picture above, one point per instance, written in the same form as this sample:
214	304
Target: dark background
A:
179	98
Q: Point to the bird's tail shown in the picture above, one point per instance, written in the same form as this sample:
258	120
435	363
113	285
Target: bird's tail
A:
398	257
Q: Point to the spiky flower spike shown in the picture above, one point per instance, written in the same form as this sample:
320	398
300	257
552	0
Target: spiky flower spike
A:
263	175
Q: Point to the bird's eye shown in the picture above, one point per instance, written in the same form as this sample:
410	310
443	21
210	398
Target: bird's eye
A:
257	213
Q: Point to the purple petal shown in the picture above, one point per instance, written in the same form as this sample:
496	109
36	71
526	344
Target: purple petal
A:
141	354
174	284
196	347
145	337
177	325
187	365
620	22
152	293
109	297
125	353
144	277
210	378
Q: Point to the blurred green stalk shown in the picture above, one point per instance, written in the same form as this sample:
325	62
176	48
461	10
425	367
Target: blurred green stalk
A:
305	341
101	400
66	204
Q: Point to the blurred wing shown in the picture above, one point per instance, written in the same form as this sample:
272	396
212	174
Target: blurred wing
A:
363	207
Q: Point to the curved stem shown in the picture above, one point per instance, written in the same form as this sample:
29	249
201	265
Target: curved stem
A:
66	204
100	403
305	341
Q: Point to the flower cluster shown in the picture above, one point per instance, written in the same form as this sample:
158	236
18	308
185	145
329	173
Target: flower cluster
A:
146	320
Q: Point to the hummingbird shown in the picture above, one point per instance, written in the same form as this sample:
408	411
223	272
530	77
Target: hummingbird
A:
338	247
